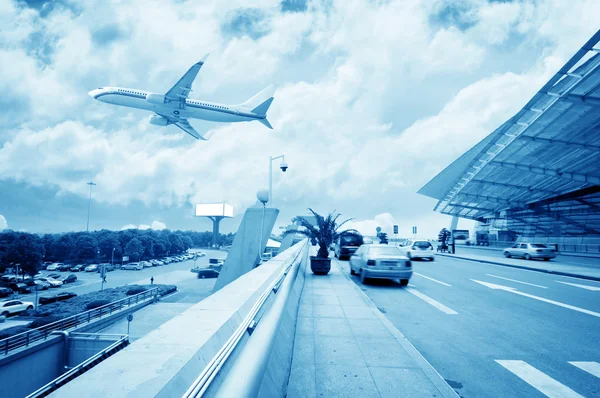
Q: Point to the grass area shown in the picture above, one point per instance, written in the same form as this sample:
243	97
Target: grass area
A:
53	312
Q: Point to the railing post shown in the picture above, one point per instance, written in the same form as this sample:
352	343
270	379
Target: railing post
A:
89	316
27	344
6	348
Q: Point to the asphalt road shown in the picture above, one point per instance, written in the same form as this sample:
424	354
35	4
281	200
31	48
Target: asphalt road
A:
494	331
170	274
569	260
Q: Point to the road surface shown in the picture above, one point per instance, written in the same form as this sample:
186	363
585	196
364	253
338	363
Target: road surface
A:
494	331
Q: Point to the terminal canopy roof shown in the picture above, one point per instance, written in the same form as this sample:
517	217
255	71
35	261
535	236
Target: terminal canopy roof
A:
543	162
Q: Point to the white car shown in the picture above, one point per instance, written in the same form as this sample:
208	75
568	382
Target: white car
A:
381	262
530	251
91	268
51	281
53	267
414	249
146	264
11	307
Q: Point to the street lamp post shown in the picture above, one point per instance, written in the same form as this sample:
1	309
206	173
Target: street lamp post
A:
91	184
263	197
283	167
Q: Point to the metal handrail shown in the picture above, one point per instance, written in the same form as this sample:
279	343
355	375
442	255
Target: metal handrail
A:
54	384
202	382
41	333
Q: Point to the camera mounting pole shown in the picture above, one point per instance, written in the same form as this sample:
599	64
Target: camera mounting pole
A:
283	167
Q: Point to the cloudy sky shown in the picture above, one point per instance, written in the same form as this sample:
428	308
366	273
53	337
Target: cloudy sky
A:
375	98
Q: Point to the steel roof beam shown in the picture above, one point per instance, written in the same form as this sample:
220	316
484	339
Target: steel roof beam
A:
501	201
582	100
550	172
566	220
561	142
521	187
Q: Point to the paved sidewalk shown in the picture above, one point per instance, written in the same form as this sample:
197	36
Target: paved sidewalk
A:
345	347
552	267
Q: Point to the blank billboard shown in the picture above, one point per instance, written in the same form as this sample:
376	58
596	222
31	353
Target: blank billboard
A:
214	210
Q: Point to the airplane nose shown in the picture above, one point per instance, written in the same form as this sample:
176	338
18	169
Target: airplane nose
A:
93	93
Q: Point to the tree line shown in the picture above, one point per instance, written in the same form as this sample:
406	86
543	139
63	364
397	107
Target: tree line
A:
31	250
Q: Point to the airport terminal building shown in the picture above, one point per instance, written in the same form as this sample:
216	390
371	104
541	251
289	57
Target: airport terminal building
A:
537	176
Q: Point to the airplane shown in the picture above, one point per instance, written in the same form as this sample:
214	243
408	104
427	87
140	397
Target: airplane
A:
174	107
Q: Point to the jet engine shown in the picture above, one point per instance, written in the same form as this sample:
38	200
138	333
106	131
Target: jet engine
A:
155	99
159	120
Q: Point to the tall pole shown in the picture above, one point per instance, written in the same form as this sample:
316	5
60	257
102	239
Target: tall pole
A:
271	159
260	241
91	184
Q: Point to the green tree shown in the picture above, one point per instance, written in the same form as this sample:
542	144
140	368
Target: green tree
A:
48	240
107	242
383	238
86	247
27	251
63	247
176	244
147	241
134	249
187	242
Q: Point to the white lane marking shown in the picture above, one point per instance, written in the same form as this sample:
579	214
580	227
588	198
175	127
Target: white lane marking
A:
431	279
434	303
586	287
411	285
539	380
590	367
515	291
516	281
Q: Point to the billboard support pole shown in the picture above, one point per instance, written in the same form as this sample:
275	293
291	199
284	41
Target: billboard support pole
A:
216	221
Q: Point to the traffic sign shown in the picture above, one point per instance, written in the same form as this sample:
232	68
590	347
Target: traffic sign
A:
395	229
130	317
414	229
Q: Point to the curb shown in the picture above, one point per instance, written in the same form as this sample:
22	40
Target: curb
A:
436	379
546	271
565	254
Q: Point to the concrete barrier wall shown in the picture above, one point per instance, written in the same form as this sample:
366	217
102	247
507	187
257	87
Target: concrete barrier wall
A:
167	361
80	349
276	377
25	371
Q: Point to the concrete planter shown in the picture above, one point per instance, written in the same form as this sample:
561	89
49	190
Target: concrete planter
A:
320	266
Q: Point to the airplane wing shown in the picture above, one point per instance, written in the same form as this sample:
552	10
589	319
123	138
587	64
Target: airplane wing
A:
182	88
185	125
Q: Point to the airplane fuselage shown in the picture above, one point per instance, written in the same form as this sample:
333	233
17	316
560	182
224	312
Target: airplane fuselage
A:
182	108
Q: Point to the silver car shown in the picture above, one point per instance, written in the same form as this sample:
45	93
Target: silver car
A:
414	249
530	251
381	262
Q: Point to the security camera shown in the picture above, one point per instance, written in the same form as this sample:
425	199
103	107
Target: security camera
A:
283	166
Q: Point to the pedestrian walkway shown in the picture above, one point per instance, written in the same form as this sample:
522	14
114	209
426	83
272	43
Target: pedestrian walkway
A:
345	347
553	267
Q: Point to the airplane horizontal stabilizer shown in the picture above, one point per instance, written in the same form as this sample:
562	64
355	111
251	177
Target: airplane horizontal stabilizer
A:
266	123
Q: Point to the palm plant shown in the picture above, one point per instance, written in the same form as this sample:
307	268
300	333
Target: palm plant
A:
325	233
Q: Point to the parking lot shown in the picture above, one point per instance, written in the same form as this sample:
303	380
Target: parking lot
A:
172	273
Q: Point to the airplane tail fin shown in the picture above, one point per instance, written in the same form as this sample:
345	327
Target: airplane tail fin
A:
260	103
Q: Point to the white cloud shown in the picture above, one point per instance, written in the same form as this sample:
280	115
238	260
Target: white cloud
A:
3	223
156	225
365	116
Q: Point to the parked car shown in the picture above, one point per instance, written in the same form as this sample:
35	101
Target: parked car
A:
107	267
216	262
36	284
53	276
146	264
53	282
8	278
53	267
77	268
64	267
346	246
133	266
529	251
381	262
5	292
11	307
69	279
62	296
19	287
91	268
421	249
206	272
